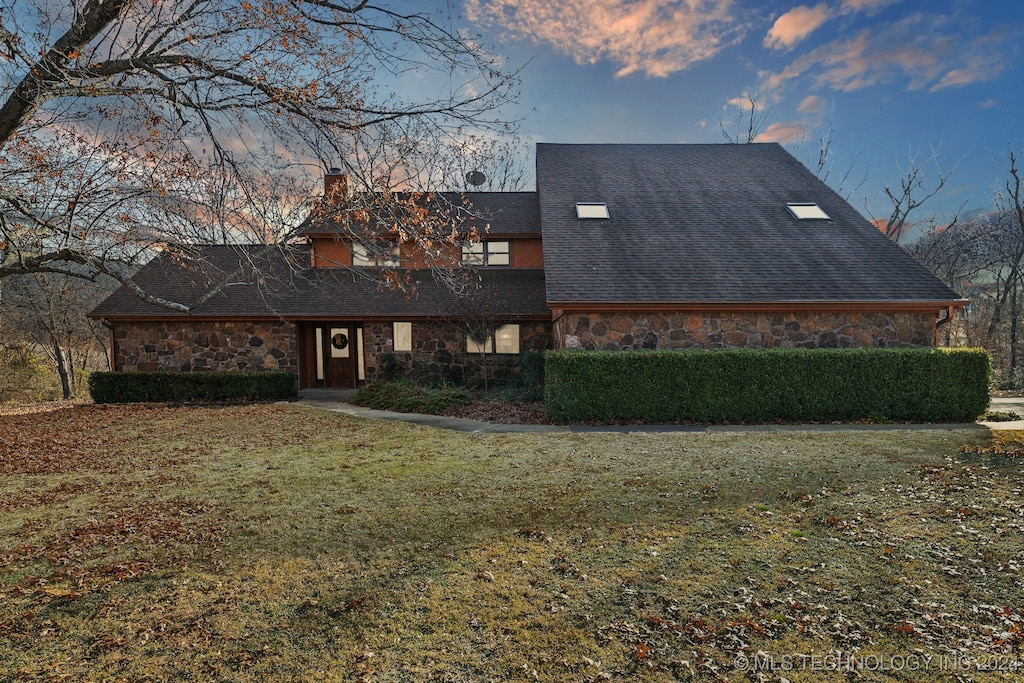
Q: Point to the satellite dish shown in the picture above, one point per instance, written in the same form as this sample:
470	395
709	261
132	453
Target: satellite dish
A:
476	178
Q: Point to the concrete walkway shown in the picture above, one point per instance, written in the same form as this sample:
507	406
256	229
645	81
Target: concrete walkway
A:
336	401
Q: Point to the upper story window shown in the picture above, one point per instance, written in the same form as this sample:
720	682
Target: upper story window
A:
381	254
490	253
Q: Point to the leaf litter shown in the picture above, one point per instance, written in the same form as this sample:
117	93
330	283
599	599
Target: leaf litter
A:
273	543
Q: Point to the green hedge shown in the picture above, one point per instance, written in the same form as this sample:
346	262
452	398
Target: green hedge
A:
144	387
768	385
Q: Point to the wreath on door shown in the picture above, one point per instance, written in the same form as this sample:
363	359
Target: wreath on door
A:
339	341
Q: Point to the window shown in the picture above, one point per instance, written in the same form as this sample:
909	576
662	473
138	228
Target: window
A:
807	211
504	340
402	337
490	253
591	210
384	254
474	346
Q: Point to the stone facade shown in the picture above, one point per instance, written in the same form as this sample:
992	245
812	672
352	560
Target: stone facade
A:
439	354
627	331
199	346
439	348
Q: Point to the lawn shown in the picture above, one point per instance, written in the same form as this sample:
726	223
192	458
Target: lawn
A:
278	543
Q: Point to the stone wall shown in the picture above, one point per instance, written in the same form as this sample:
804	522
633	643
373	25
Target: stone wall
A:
439	354
199	346
738	330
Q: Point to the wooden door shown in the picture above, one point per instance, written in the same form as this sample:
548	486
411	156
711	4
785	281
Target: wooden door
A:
340	356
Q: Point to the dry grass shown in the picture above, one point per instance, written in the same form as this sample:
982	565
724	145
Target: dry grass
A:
272	543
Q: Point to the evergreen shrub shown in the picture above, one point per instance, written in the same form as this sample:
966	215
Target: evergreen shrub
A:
768	385
147	387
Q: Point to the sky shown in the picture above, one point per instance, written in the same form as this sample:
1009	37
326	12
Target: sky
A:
894	83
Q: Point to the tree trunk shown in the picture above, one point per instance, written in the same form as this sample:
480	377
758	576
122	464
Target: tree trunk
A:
62	369
1013	337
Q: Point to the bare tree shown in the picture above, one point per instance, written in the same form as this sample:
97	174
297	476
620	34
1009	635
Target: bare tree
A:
748	122
983	258
960	253
1010	211
913	191
129	127
48	311
845	183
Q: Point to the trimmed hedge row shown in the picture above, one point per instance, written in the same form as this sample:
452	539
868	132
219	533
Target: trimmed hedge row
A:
145	387
767	385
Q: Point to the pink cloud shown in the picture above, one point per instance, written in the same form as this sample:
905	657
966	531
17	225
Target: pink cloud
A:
812	105
980	68
795	25
923	51
783	132
652	37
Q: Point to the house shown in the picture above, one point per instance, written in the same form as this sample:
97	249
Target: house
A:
620	247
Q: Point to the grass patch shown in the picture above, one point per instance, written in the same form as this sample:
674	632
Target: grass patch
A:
406	397
276	543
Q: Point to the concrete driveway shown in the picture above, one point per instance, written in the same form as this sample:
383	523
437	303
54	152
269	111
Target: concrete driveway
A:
1007	405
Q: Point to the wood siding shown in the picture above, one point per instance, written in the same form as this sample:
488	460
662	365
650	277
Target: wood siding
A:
330	252
527	253
413	255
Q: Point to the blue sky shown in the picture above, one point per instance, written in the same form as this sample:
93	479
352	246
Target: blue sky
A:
893	79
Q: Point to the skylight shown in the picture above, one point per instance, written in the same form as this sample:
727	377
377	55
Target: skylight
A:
591	210
807	211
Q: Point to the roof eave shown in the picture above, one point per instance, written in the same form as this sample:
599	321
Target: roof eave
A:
888	306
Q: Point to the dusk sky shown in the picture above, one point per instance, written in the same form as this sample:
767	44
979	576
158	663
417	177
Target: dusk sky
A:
894	79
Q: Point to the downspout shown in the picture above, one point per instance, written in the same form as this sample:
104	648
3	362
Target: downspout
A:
942	321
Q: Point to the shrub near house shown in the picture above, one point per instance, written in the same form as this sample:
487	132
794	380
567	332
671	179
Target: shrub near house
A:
819	385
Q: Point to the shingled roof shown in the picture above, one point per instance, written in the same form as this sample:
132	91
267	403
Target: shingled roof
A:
492	213
709	224
273	285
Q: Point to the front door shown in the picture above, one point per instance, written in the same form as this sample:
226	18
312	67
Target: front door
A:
340	355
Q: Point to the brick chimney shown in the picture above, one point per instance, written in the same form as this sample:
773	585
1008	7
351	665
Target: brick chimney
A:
335	186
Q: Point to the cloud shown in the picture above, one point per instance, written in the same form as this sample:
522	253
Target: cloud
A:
783	132
653	37
870	6
980	68
795	25
988	104
812	105
922	51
